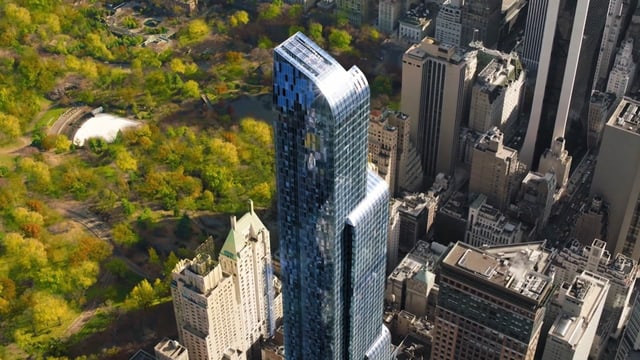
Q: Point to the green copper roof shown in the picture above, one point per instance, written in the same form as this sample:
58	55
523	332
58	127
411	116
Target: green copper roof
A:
240	230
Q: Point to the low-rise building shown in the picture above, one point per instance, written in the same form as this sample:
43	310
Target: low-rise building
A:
487	225
168	349
409	285
415	24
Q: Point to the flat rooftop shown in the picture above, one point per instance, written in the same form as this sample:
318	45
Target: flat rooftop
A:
589	290
511	267
627	116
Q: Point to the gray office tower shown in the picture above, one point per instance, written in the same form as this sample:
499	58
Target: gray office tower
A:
562	39
332	212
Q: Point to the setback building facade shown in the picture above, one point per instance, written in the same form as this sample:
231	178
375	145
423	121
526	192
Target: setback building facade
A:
333	213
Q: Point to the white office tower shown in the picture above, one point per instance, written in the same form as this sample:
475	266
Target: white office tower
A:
623	72
612	30
617	178
223	310
496	93
449	23
553	36
556	160
436	84
536	20
574	330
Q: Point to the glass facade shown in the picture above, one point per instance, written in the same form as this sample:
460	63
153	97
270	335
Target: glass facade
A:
332	214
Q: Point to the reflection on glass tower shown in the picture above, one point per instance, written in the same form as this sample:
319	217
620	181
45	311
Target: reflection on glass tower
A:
332	211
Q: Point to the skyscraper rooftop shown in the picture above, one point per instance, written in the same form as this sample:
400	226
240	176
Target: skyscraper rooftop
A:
512	267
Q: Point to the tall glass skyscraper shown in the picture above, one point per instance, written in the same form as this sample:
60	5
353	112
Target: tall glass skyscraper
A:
332	211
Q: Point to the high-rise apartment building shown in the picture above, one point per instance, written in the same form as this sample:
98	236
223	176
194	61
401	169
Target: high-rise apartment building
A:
491	302
487	225
496	94
613	29
383	149
389	148
495	170
623	72
226	308
574	330
436	82
389	11
601	105
333	213
617	178
567	47
449	23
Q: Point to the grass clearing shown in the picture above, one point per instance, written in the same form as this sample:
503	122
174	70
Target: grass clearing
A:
49	117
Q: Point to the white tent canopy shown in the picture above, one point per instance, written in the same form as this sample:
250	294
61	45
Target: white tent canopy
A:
102	125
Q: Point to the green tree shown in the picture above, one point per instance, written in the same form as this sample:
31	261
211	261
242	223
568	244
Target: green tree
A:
62	144
295	28
183	229
124	235
141	296
47	310
264	42
9	127
153	256
170	263
177	66
382	85
194	32
239	17
315	32
125	161
339	39
117	267
191	90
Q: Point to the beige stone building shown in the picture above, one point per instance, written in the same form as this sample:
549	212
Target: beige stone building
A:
556	160
495	170
617	178
497	93
436	83
224	309
574	329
